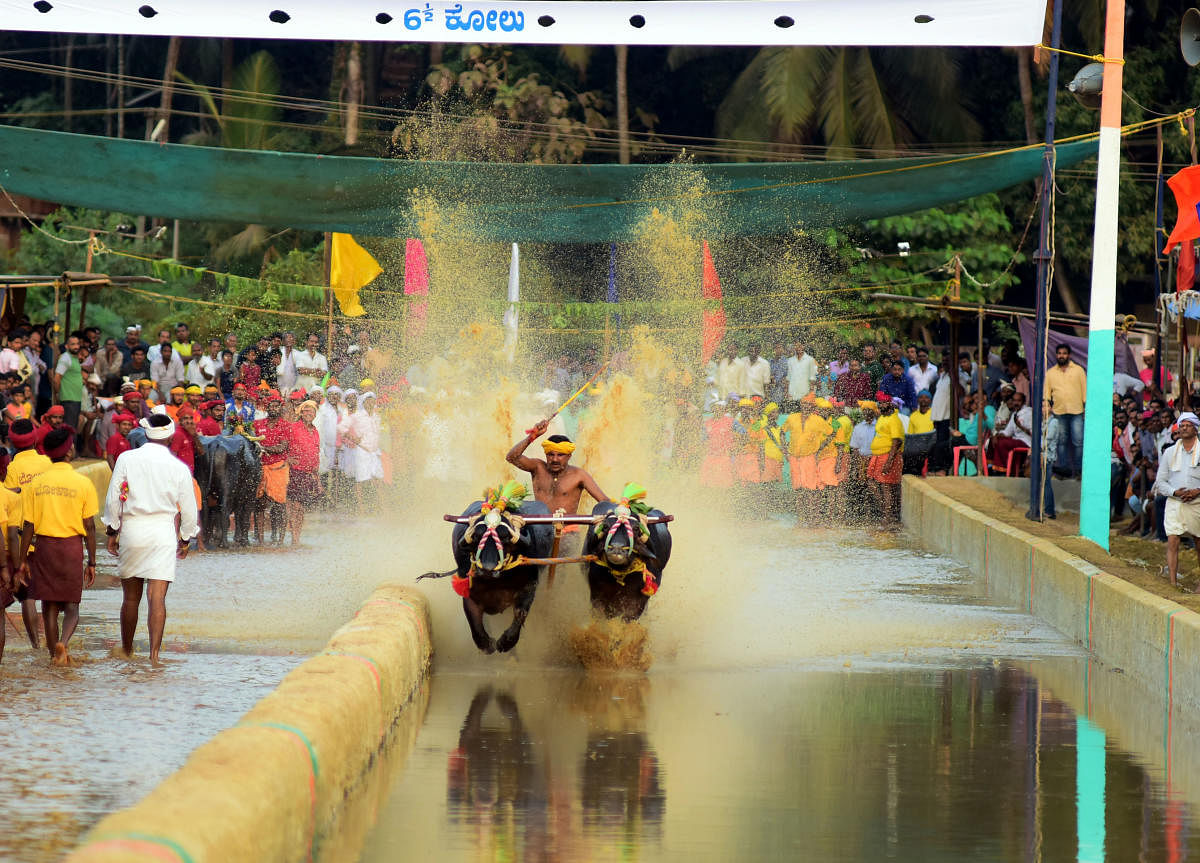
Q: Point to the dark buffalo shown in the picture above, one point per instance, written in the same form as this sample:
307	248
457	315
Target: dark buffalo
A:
484	549
229	485
629	564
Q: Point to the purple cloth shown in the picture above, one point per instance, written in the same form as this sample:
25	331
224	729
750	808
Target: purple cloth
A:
1123	360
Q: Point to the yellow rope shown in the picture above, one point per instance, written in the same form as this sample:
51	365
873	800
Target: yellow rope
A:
1099	58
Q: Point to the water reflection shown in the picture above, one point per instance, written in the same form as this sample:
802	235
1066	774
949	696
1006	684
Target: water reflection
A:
514	794
913	764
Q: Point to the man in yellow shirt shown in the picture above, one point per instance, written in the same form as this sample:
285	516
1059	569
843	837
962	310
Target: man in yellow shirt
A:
58	507
920	437
883	469
1066	388
25	465
807	433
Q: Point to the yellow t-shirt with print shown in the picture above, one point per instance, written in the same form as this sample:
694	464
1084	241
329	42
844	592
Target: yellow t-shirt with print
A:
24	466
59	501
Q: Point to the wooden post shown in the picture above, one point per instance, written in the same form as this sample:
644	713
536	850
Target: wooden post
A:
979	398
67	327
87	268
955	384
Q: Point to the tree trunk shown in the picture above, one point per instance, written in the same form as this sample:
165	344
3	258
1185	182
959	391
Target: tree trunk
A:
68	82
354	90
1026	85
168	87
623	102
437	51
1065	292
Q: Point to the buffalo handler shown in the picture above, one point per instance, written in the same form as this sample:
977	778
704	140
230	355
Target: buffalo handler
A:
58	507
556	483
150	516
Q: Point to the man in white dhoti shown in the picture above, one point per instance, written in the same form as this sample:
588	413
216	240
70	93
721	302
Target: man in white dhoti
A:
365	429
150	514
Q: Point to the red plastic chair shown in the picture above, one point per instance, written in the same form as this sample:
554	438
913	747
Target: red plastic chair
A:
1016	459
979	459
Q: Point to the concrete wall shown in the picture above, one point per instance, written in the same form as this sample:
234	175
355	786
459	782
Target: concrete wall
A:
1153	639
282	783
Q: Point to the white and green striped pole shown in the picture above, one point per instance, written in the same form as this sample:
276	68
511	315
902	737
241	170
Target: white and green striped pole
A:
1094	506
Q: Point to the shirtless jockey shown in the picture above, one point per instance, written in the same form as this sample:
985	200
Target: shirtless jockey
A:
555	483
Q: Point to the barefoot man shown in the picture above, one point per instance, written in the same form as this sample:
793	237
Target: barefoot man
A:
150	515
555	483
59	507
1179	481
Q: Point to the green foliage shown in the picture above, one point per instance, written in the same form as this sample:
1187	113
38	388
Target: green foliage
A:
978	232
482	90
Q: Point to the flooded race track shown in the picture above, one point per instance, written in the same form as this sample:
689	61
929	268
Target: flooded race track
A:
814	695
877	708
82	742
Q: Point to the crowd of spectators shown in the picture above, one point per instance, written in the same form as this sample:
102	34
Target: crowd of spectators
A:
311	412
749	394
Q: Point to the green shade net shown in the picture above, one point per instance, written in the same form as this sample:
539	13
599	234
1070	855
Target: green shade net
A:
507	202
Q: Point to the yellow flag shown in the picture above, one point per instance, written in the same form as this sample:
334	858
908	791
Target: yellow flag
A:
351	269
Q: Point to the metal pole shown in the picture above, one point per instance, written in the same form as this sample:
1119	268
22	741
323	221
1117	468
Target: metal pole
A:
1043	257
1094	509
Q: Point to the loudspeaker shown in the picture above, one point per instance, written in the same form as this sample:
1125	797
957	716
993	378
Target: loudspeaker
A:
1189	36
1087	84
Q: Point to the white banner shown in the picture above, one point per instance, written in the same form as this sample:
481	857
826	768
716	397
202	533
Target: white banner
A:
668	22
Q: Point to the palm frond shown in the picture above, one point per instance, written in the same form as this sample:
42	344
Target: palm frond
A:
576	56
248	116
836	113
789	85
875	120
743	107
245	241
681	55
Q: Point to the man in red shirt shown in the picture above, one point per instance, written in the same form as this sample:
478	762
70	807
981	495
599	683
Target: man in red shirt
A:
119	442
212	417
183	444
51	420
304	460
274	440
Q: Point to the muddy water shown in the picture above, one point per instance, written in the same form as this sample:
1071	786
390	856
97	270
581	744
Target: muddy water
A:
852	699
79	743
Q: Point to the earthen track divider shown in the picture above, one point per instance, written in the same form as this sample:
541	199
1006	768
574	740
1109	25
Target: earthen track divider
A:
301	776
1151	638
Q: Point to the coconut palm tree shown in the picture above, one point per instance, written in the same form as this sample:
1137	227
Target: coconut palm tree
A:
844	97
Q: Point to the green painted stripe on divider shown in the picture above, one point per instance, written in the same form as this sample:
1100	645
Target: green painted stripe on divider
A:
1094	505
291	729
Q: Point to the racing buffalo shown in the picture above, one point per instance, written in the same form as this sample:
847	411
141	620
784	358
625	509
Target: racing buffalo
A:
488	576
629	557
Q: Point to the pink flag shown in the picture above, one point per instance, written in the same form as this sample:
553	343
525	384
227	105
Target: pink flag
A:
416	284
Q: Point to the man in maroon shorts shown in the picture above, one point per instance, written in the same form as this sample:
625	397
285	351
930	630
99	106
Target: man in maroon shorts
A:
58	507
884	467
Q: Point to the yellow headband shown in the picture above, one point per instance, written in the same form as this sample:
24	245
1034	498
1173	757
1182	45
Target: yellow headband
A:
565	447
